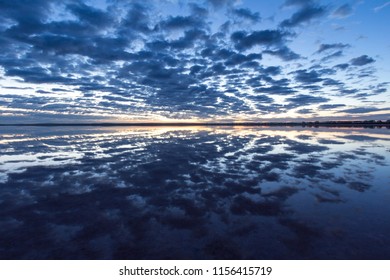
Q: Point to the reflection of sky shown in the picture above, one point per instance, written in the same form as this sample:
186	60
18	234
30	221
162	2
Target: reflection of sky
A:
193	192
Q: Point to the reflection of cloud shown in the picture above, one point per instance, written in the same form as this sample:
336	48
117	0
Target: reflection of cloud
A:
19	163
178	192
304	235
358	186
360	137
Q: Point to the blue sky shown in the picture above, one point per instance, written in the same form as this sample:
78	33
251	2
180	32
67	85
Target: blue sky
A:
215	60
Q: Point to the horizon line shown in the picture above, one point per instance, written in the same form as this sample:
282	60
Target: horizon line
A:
247	123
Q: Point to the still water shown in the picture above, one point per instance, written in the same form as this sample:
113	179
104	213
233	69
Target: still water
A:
194	193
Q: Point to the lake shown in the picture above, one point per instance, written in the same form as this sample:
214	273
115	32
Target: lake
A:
194	193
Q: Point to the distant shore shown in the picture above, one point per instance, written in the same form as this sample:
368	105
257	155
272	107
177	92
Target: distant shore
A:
302	124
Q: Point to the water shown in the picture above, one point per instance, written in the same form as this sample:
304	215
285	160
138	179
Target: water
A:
194	193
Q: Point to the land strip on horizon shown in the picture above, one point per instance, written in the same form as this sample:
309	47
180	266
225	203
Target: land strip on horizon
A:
303	124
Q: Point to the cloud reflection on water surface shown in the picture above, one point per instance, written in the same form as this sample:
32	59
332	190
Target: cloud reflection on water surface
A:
194	193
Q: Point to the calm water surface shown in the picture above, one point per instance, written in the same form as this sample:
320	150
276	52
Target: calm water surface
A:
194	193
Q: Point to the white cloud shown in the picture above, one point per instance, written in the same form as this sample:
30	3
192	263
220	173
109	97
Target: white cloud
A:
377	9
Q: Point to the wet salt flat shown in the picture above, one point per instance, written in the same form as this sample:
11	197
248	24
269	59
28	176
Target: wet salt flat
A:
194	193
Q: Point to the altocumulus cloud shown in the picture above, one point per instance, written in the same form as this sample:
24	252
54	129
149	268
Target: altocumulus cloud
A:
148	60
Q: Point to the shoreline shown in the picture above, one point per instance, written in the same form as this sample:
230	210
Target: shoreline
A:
282	124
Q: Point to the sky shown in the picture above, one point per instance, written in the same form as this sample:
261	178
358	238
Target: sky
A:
211	60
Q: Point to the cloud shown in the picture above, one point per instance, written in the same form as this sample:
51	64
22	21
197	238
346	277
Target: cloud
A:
342	66
276	89
91	15
306	77
181	22
289	3
140	59
305	111
244	41
363	110
330	106
332	56
23	12
218	4
343	11
362	60
304	15
283	53
237	58
37	75
189	39
378	8
247	14
326	47
305	100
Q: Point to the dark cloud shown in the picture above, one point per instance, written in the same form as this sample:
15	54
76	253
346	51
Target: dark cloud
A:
380	90
236	58
91	15
38	75
326	47
198	11
244	41
218	4
305	77
306	14
363	110
246	14
188	40
343	11
181	22
272	70
332	56
21	88
342	66
346	91
136	19
288	3
305	111
284	53
278	90
304	100
362	60
24	13
332	82
330	106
